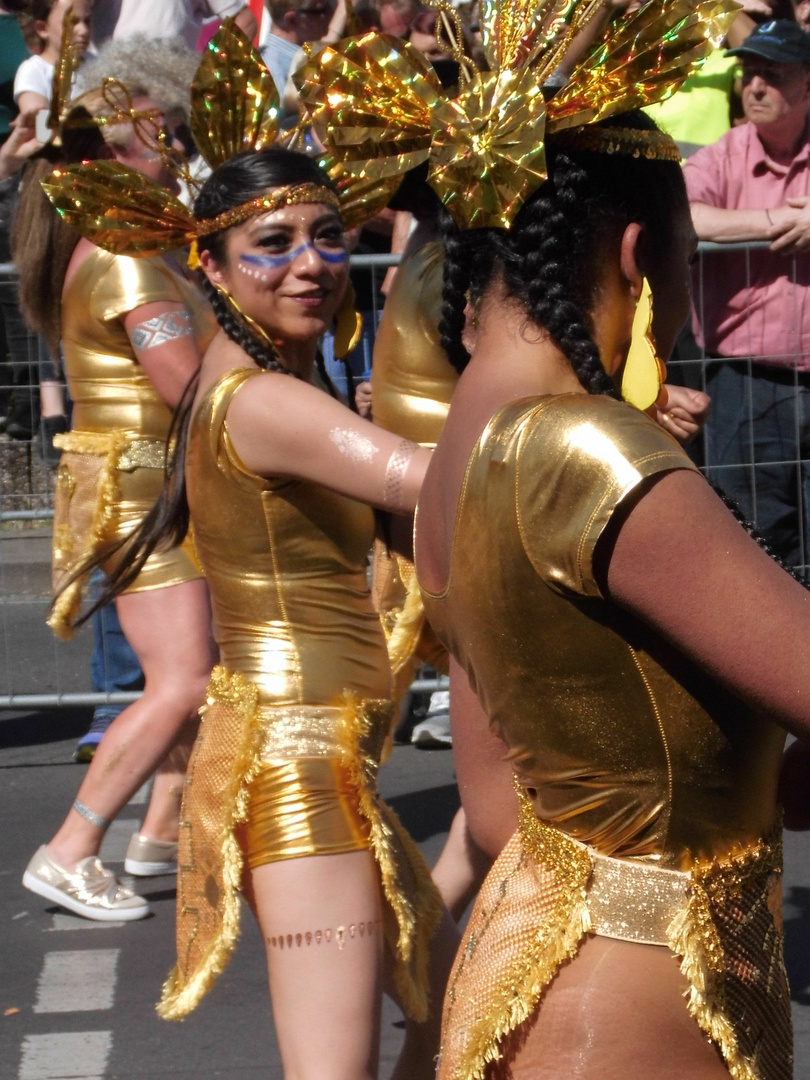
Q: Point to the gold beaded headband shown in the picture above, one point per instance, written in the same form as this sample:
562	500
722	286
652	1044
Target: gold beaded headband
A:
268	202
653	145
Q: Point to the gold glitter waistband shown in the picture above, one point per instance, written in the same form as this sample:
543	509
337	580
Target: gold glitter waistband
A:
631	901
143	454
298	731
128	453
268	202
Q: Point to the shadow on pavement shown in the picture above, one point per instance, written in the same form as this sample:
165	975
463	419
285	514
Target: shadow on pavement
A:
47	726
427	812
797	944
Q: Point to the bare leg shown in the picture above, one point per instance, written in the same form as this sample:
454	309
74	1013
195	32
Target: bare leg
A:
169	630
162	821
417	1060
325	975
461	867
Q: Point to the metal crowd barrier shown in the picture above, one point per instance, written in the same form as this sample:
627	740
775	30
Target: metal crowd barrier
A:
36	670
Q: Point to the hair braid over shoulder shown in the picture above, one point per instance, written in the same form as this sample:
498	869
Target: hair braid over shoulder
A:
457	277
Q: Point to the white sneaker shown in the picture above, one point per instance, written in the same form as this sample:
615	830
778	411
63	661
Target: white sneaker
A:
433	733
149	858
90	889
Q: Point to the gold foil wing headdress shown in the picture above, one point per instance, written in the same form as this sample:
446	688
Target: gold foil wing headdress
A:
379	112
234	101
234	108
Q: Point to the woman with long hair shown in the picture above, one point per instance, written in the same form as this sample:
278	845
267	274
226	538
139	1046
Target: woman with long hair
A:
131	331
280	480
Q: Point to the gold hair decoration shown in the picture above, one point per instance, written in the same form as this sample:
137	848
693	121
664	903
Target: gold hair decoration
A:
379	109
289	195
254	329
644	371
653	145
63	71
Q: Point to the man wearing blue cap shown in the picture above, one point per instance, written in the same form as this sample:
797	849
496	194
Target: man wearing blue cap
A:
753	308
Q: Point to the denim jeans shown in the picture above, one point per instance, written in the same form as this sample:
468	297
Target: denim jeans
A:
758	449
114	666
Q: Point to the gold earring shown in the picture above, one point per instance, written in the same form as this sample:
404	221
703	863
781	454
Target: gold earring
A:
348	324
644	371
250	324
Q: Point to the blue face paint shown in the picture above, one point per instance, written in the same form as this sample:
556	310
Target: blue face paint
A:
273	262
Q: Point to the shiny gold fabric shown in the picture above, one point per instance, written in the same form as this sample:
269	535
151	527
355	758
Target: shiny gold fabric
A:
619	742
296	722
111	471
412	383
301	807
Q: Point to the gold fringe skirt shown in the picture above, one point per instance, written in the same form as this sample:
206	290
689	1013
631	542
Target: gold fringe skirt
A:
546	891
318	760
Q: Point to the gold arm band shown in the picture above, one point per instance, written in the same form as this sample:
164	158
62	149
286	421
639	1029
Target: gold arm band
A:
269	201
654	145
395	473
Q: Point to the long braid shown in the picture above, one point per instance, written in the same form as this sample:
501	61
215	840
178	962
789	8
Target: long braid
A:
261	354
546	245
457	276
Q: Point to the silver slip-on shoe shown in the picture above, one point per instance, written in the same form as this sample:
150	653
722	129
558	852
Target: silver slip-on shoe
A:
149	858
90	889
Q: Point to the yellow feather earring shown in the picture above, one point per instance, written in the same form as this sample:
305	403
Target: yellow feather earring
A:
348	324
644	371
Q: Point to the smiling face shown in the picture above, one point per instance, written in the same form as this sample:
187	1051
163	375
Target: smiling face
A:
287	270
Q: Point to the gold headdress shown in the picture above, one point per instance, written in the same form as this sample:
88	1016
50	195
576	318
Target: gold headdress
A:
234	107
377	105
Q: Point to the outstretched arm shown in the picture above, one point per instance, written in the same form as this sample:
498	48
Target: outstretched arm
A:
283	427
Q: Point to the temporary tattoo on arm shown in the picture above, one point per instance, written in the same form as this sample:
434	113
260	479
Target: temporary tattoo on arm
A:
355	446
340	935
160	329
395	473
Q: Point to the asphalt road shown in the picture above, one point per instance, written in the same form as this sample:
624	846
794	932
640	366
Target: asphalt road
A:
77	998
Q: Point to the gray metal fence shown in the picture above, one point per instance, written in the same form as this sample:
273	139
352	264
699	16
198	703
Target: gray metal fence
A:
37	671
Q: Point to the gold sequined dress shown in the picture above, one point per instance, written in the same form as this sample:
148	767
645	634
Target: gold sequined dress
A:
647	792
412	383
285	762
111	470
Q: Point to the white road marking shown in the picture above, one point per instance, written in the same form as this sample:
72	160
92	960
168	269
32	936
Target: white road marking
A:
80	1055
77	981
141	796
114	847
76	922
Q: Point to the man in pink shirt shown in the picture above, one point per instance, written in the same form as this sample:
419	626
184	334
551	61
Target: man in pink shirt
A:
752	307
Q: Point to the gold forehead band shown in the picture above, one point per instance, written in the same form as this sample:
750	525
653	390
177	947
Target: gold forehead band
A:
653	145
267	203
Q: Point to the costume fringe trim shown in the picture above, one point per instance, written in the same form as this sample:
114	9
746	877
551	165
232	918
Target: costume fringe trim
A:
416	905
179	998
67	602
523	983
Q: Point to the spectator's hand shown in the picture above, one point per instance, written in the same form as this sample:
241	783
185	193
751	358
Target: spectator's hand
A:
362	398
684	414
20	145
757	7
793	222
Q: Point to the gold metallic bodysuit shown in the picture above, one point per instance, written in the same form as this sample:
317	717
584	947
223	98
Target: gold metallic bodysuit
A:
286	759
111	470
412	383
648	793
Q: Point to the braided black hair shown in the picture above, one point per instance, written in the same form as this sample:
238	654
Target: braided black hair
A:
550	257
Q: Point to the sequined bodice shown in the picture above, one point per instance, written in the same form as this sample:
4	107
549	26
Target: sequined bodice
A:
109	388
286	563
623	743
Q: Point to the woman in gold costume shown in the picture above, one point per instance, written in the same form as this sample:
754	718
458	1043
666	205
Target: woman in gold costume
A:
639	657
281	800
132	330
